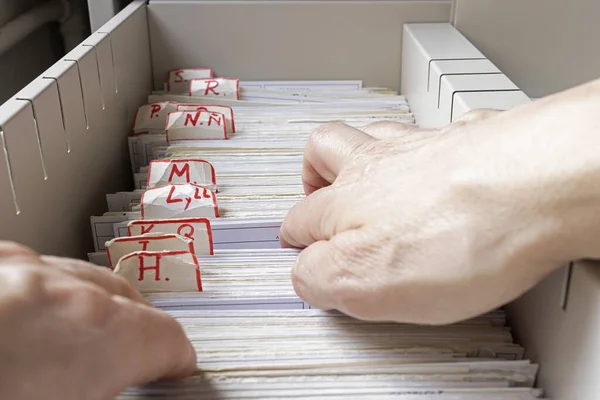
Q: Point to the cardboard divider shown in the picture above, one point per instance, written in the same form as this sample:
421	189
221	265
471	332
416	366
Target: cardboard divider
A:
65	137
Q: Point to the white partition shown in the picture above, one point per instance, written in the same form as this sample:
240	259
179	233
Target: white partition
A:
63	137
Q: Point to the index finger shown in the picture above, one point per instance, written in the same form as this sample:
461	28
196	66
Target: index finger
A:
328	149
147	345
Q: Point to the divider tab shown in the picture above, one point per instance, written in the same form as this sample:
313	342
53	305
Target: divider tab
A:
217	87
161	271
195	125
179	201
120	247
197	229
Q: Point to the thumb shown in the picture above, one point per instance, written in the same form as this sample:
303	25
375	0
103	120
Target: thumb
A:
341	274
328	149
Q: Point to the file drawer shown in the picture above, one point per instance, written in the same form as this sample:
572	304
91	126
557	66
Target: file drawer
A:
64	136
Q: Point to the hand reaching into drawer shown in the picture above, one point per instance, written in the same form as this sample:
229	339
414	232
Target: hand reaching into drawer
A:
437	226
71	330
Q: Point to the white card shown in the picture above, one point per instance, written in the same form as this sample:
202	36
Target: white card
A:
246	234
216	87
179	201
102	228
181	171
197	229
161	271
120	247
198	125
178	80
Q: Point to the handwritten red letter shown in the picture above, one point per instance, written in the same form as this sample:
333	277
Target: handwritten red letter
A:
188	234
155	110
193	120
215	117
179	77
170	199
211	86
147	230
156	268
179	172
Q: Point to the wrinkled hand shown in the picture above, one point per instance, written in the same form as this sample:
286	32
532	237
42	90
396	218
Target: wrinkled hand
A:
71	330
436	226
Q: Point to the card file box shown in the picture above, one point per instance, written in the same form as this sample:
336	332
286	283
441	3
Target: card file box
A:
63	137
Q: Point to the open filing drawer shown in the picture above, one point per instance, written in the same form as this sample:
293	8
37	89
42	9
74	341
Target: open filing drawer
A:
64	142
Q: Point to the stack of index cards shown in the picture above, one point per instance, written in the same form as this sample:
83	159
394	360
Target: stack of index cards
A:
217	165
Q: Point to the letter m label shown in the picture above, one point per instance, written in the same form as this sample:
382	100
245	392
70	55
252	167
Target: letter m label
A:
184	171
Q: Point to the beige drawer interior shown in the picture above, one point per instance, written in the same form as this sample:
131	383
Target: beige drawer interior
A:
63	138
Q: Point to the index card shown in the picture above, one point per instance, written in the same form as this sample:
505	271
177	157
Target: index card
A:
98	258
120	229
119	202
120	247
248	234
197	229
227	111
179	201
219	87
178	79
303	85
180	171
102	228
161	271
140	180
198	125
151	117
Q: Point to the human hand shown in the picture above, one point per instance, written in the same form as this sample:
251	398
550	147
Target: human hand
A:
71	330
438	226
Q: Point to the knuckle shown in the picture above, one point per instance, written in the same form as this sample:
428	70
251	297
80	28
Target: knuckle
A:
24	283
322	133
122	285
87	303
13	249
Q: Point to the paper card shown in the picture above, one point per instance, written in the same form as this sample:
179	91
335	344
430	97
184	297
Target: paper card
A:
98	258
197	229
179	201
181	171
161	271
249	234
145	144
195	125
119	202
120	229
219	87
140	180
245	303
120	247
133	153
152	117
159	152
303	85
227	111
102	228
178	80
